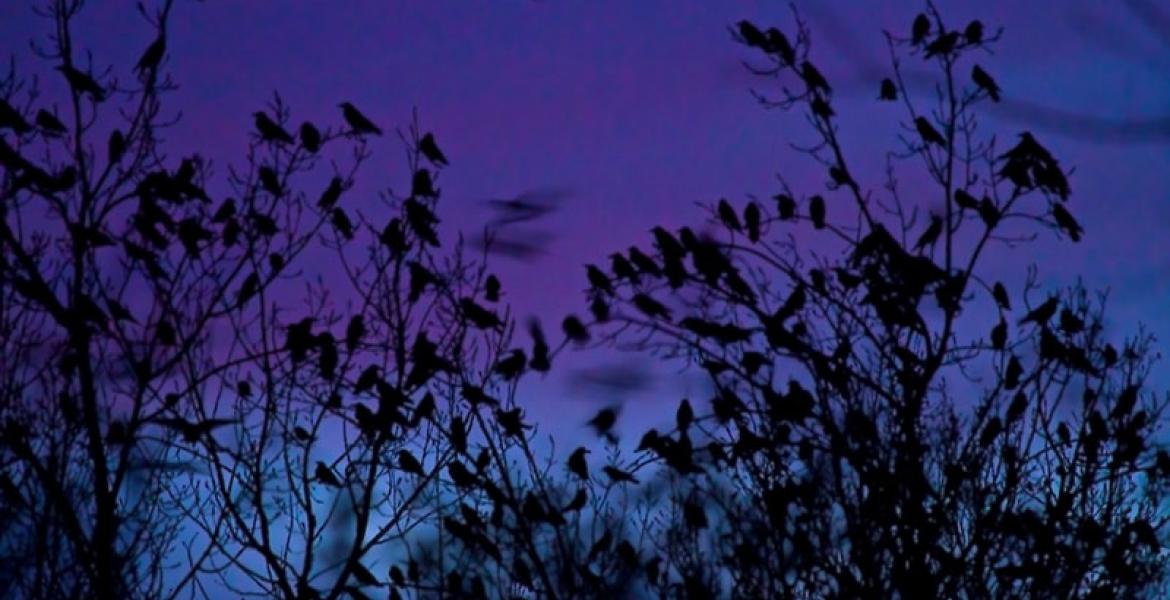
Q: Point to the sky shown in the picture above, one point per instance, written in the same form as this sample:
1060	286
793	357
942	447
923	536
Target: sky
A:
639	110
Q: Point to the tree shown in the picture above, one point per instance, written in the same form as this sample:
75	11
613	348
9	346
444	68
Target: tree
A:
867	438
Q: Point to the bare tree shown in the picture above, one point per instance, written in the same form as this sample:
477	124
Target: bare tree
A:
871	435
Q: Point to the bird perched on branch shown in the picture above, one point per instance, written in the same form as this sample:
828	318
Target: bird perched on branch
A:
358	123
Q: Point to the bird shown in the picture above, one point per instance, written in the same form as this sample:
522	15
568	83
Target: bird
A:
919	29
985	82
598	279
354	332
358	123
49	123
1011	378
83	83
988	212
511	422
1070	323
1017	407
1041	314
931	235
429	149
974	32
965	200
999	335
192	431
942	45
342	223
999	293
578	501
269	130
116	147
302	434
751	221
1066	222
651	307
685	415
575	330
816	211
889	91
326	476
778	43
786	206
511	366
491	288
728	216
10	118
310	137
928	133
752	36
577	463
813	78
618	475
604	420
152	56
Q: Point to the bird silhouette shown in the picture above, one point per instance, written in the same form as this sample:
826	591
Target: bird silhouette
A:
943	45
985	82
974	32
604	421
931	235
816	211
491	288
116	146
999	293
889	91
354	332
310	137
919	29
512	365
778	44
192	431
728	215
49	124
965	200
751	221
83	83
752	36
786	206
599	280
270	181
358	123
325	475
1042	313
269	130
999	335
575	330
152	56
341	223
10	118
813	78
988	212
479	316
578	465
651	307
928	133
1066	222
1011	378
430	150
511	422
618	475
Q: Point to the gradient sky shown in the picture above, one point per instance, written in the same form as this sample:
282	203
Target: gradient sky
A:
642	109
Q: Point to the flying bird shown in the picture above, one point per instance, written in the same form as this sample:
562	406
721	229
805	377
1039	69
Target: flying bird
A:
358	123
604	420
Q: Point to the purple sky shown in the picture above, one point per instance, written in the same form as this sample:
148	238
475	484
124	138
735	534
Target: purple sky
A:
642	109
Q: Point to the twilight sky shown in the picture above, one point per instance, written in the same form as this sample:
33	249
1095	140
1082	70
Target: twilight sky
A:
641	109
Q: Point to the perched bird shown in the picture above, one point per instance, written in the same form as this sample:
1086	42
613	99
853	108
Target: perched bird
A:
310	137
651	307
1011	378
919	29
116	147
575	330
988	212
302	434
751	221
1043	313
270	181
816	211
928	133
786	206
577	463
10	118
974	32
685	415
752	36
728	216
778	44
599	280
618	475
358	123
326	476
942	45
511	366
354	332
1017	407
479	316
931	235
342	223
511	422
813	78
49	123
83	83
985	82
430	150
269	130
965	200
889	91
999	335
1070	323
1001	296
491	289
1066	222
152	56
